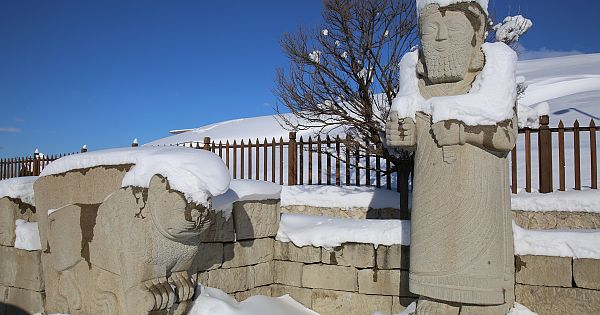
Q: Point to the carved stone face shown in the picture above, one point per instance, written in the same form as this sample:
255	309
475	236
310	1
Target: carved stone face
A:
447	39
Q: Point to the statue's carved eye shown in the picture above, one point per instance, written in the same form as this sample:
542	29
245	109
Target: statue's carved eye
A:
429	29
455	27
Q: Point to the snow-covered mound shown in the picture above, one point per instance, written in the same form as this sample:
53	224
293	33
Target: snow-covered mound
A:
199	174
211	301
570	85
19	188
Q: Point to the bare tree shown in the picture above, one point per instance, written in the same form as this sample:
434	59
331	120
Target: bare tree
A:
345	73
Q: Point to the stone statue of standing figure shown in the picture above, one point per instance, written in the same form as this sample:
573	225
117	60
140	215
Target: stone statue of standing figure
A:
456	110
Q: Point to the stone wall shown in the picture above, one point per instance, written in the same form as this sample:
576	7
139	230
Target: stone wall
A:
21	281
558	285
350	279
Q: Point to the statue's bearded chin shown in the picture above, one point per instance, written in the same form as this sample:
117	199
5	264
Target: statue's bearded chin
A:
447	66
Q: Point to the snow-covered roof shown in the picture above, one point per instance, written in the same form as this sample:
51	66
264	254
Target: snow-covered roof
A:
199	174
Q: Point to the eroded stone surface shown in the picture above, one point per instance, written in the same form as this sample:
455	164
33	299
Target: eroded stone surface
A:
350	254
558	301
351	213
586	273
231	280
329	277
256	219
210	256
543	270
265	290
551	220
328	302
289	251
302	295
380	282
393	257
288	272
21	268
24	300
248	252
263	274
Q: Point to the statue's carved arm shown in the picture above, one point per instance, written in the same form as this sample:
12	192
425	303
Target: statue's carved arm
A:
400	132
499	138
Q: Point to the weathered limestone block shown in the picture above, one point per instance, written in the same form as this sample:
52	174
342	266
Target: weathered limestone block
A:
263	274
3	295
328	302
231	280
329	277
210	256
586	273
558	301
248	252
221	228
543	270
11	210
85	186
256	219
288	272
302	295
289	251
350	254
19	300
351	213
264	290
550	220
21	268
379	282
399	304
129	254
393	257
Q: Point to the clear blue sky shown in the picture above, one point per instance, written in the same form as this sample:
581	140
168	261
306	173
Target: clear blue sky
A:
103	72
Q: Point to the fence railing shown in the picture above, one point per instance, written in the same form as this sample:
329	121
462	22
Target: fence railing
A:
327	161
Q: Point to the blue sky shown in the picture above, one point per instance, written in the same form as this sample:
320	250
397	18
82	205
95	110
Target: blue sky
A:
103	72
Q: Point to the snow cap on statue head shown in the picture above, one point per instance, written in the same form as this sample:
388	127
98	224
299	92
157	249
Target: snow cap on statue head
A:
443	3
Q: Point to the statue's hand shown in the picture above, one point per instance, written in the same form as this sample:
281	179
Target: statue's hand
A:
400	132
448	133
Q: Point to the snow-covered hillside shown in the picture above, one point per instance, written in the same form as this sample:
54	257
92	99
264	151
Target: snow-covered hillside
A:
570	85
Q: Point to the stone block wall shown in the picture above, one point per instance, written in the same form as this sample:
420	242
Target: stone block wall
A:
21	278
350	279
558	285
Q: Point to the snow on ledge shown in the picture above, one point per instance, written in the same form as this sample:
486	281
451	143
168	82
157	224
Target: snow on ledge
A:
344	197
587	200
330	232
561	243
199	174
27	235
245	189
19	188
